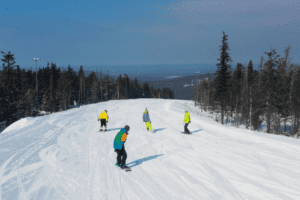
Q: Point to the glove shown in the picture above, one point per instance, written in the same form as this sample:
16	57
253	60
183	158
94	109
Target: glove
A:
98	119
107	122
190	121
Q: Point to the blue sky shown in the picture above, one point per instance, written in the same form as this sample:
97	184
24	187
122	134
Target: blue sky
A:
91	33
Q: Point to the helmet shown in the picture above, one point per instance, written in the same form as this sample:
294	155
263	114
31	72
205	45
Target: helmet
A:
127	128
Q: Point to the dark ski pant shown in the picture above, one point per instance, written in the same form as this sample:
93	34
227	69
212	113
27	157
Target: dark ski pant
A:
103	122
122	156
186	130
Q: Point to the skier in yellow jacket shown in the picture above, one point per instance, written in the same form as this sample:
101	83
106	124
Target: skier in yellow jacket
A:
187	120
104	119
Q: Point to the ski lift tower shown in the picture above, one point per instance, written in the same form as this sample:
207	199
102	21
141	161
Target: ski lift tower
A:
37	100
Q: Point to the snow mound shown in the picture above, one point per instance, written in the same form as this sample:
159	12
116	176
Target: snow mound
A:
22	123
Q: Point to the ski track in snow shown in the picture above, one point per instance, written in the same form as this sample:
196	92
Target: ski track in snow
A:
64	156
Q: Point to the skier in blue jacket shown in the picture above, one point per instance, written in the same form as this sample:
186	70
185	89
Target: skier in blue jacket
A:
146	119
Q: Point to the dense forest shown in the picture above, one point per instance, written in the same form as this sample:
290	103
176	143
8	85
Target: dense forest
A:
24	93
270	94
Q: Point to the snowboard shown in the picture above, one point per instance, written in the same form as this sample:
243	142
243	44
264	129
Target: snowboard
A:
128	169
104	130
186	133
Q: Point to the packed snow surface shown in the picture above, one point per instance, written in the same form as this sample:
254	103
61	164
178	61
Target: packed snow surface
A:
64	156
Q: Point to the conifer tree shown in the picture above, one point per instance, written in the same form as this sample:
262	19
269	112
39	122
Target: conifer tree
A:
221	94
81	79
203	93
29	93
108	88
294	98
283	88
237	83
9	60
153	92
119	88
146	91
101	86
268	85
126	84
71	78
8	89
45	88
250	79
131	90
62	90
257	103
21	89
244	96
136	89
53	97
92	84
296	103
159	93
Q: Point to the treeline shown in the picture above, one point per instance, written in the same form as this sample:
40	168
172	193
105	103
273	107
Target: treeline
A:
246	96
59	88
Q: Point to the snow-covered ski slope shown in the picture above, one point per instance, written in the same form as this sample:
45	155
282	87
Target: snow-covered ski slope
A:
63	156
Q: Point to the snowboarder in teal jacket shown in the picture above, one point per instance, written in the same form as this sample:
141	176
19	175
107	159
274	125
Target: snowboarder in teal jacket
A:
119	147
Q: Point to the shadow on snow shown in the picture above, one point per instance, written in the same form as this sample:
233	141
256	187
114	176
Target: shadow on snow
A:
140	161
114	129
160	129
196	131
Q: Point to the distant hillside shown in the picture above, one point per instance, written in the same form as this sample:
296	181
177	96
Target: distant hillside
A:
157	72
183	87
